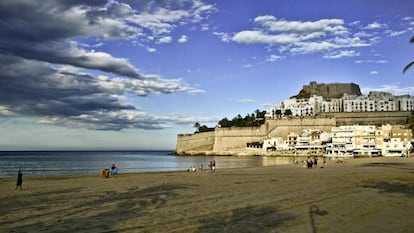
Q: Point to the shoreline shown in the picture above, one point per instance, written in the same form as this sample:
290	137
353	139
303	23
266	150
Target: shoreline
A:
359	195
98	174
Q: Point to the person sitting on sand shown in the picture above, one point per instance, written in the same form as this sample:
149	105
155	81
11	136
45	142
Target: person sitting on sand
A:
114	170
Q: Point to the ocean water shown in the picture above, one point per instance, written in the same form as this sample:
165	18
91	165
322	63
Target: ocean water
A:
42	163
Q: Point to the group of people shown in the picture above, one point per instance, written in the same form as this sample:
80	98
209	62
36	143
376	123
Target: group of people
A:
211	167
313	162
106	173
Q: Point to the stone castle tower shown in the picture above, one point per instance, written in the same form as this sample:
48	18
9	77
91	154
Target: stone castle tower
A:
328	91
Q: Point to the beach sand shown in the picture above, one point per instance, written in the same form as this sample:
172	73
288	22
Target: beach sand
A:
360	195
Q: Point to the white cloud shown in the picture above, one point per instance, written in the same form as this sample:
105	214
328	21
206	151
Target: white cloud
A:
183	39
205	27
313	47
258	37
341	54
247	101
151	50
225	37
302	37
376	25
273	58
393	89
165	40
275	25
374	72
371	61
395	33
158	20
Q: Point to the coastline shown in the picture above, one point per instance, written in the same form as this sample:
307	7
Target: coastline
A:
360	195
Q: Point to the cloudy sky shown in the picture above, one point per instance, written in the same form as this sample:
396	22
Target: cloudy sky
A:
133	74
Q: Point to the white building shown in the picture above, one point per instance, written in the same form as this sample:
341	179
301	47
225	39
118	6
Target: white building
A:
374	102
406	103
369	140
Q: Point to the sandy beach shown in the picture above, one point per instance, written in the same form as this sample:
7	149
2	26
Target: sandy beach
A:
360	195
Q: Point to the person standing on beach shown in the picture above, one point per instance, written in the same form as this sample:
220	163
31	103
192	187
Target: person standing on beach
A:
315	161
19	182
214	166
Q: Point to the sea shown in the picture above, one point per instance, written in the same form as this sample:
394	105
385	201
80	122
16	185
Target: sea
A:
45	163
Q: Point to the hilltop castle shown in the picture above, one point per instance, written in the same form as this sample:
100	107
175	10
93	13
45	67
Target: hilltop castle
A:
328	91
315	99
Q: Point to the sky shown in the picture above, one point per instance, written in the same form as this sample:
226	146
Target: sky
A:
131	75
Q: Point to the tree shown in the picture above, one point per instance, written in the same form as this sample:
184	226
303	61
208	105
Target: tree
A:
225	123
197	126
288	112
204	128
411	63
279	113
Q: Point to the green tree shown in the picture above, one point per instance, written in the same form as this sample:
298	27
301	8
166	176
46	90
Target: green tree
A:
204	128
197	126
411	63
225	123
279	113
250	120
288	112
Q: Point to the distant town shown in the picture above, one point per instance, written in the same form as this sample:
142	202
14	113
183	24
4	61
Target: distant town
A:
332	120
344	142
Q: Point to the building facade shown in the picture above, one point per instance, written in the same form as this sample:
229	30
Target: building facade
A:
374	102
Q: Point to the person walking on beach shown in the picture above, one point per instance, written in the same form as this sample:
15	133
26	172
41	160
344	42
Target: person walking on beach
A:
309	162
214	166
19	182
315	161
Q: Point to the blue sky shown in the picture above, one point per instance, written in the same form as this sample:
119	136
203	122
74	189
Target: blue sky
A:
134	74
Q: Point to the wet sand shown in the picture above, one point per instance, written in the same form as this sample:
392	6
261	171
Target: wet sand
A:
360	195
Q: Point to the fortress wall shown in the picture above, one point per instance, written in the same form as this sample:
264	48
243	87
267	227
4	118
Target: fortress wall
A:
227	139
195	142
282	127
369	118
236	138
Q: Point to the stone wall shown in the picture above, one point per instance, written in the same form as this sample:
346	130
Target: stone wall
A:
282	127
236	138
369	118
195	142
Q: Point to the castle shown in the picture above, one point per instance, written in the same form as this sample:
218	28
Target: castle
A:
317	106
315	99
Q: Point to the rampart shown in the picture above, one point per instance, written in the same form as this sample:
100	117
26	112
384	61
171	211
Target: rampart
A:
369	118
195	142
225	140
236	138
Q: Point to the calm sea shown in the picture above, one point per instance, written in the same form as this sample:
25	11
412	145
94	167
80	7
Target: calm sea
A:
39	163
